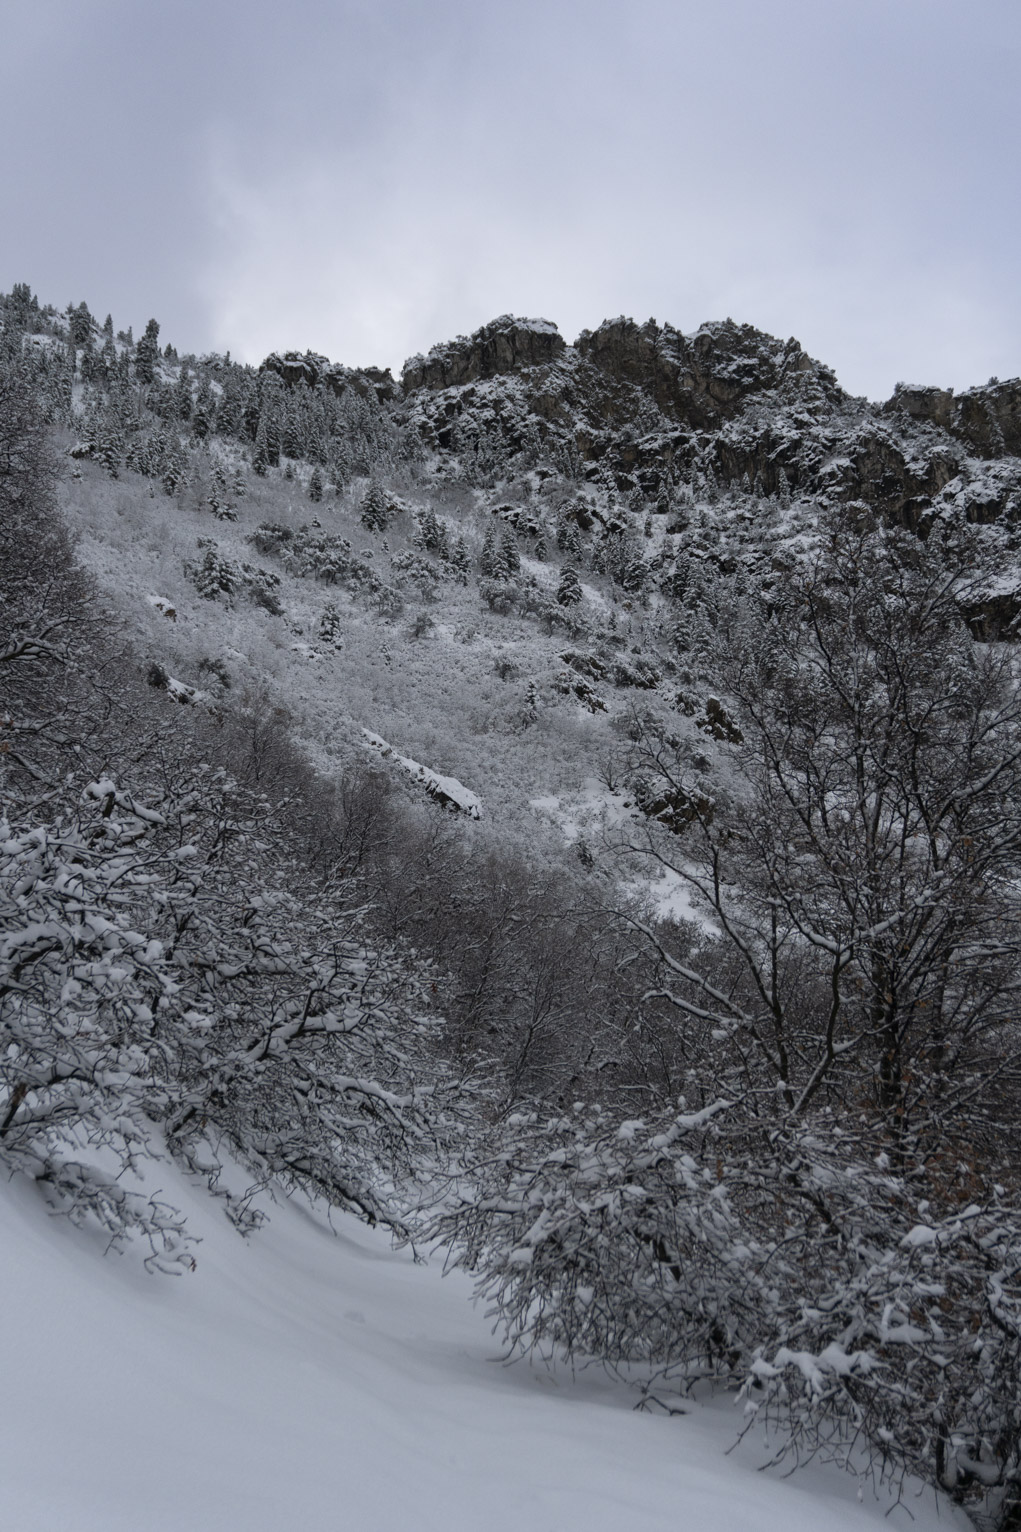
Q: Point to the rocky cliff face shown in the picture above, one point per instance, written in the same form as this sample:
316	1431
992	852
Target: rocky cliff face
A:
311	369
704	379
645	408
506	345
987	420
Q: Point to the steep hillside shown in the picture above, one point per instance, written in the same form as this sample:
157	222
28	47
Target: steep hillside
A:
389	556
564	805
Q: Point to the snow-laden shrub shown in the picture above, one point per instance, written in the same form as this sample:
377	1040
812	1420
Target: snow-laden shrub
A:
169	973
857	1316
313	552
81	992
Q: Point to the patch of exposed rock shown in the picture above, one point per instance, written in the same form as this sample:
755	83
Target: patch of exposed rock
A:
987	419
311	368
703	379
504	345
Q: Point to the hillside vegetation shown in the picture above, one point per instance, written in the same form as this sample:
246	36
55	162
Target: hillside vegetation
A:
565	804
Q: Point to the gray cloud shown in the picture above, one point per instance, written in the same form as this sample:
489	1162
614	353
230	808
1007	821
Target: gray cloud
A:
367	178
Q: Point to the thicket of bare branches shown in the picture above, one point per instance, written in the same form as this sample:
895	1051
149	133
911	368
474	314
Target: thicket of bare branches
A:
176	972
831	1221
776	1150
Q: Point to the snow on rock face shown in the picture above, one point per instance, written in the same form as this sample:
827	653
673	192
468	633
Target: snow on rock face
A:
446	790
504	345
988	419
311	368
164	606
702	379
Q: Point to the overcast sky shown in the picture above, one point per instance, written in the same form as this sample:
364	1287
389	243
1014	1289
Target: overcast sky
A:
367	177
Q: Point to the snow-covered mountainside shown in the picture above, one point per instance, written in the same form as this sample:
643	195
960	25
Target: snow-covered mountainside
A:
395	561
562	808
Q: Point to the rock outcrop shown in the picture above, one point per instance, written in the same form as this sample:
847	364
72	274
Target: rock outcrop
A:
505	345
310	368
646	408
703	379
986	419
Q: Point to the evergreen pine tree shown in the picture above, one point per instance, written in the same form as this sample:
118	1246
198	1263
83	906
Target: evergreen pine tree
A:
260	453
174	468
293	436
182	395
632	570
108	444
510	558
542	549
219	493
203	419
569	591
82	326
330	626
460	562
146	352
315	485
489	560
783	489
375	509
428	530
109	356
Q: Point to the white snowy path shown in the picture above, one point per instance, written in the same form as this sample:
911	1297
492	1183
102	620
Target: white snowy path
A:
308	1380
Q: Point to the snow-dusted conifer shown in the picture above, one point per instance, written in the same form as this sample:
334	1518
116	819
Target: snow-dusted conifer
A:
260	452
489	559
569	592
146	352
508	557
460	561
375	509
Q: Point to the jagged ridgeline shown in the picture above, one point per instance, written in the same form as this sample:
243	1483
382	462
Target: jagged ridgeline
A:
560	633
656	422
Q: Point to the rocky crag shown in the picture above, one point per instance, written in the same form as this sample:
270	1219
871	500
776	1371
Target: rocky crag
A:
646	407
659	418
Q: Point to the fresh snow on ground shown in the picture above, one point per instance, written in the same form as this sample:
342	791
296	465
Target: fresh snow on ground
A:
312	1378
673	898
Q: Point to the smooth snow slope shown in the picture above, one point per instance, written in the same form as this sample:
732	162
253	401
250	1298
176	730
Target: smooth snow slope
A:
312	1380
